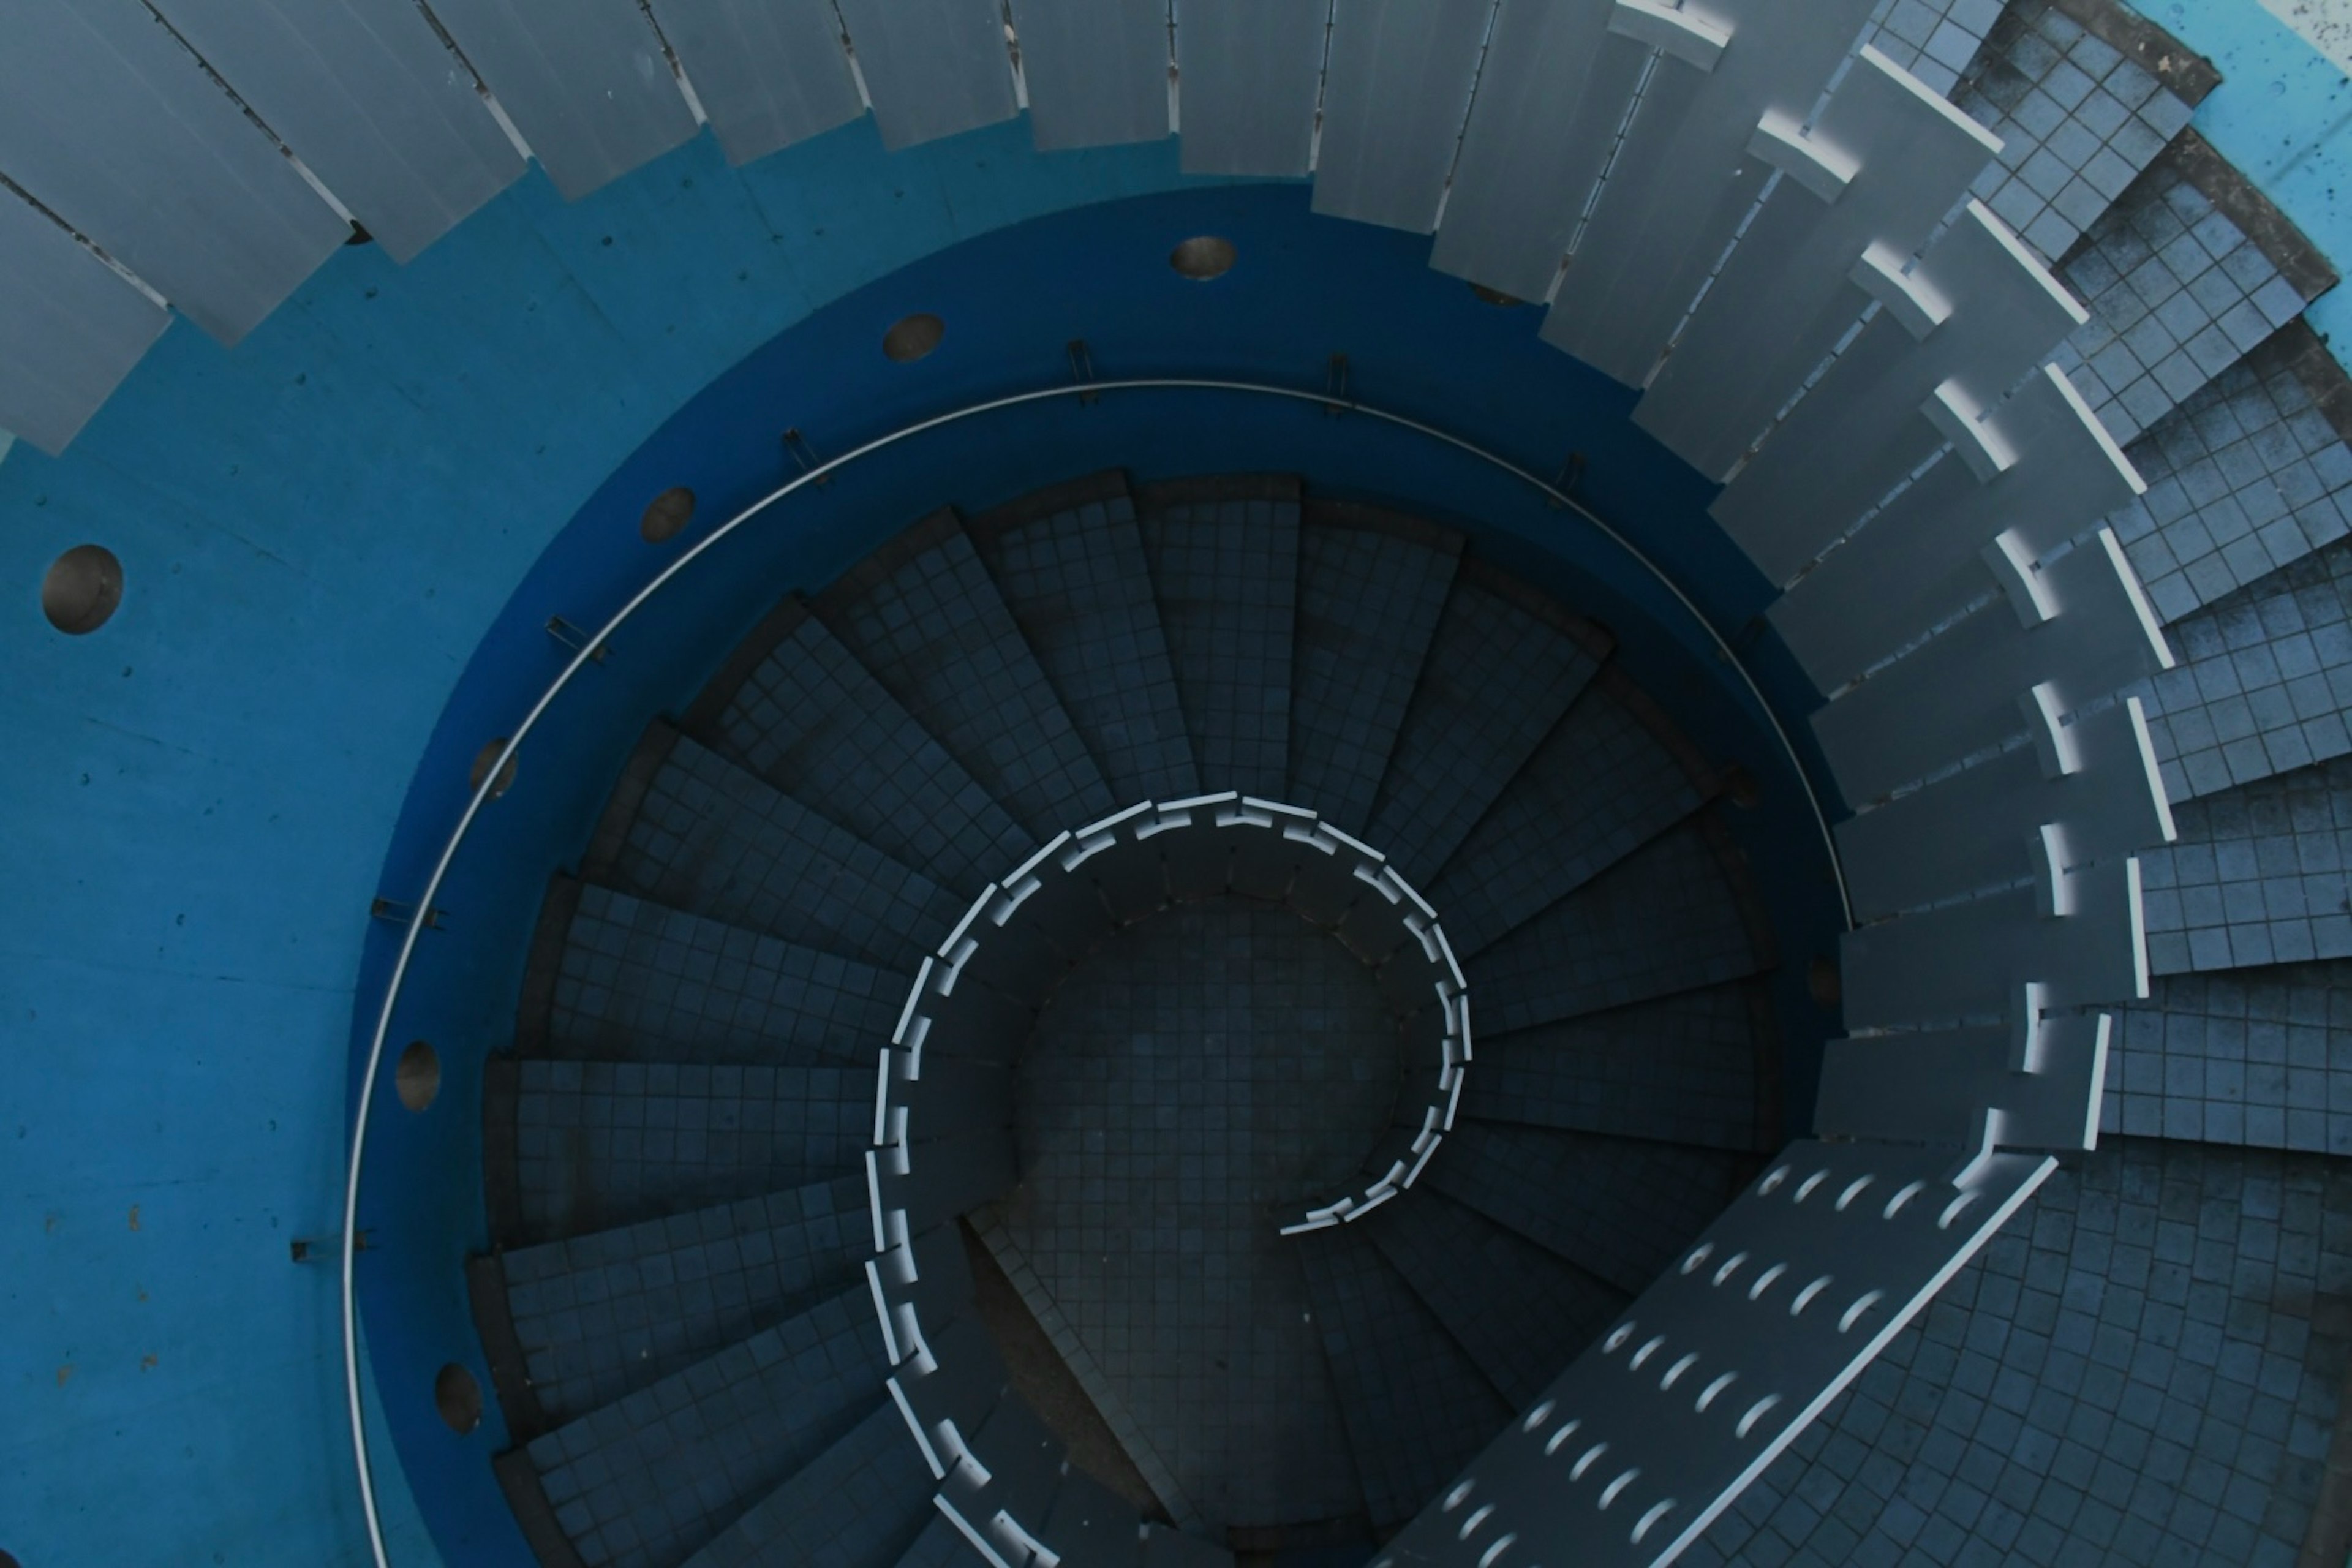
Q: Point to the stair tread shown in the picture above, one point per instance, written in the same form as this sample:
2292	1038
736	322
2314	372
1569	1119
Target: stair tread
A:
924	616
1224	570
1502	669
1616	1208
1685	1069
859	1504
1371	590
639	980
607	1143
651	1478
1664	919
712	838
813	721
1415	1406
1521	1312
1605	781
942	1545
599	1316
1079	586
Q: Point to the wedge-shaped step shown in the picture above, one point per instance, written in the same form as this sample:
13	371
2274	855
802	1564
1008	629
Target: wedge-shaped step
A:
689	828
1372	585
607	1143
1613	774
647	1481
922	615
942	1545
1667	918
797	709
1415	1406
859	1504
600	1316
1688	1069
1615	1207
1070	563
1503	667
1521	1312
1224	566
637	982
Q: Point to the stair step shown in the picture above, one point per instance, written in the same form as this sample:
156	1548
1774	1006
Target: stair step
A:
1371	586
690	829
2257	876
859	1504
1415	1406
636	980
1071	566
796	708
602	1315
1667	918
1224	568
651	1479
1611	776
942	1545
922	615
1504	665
1615	1207
1689	1068
1521	1312
609	1143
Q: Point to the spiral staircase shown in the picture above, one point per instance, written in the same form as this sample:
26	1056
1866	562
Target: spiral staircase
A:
1201	1019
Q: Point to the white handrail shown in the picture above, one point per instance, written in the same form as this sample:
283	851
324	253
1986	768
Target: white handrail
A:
589	645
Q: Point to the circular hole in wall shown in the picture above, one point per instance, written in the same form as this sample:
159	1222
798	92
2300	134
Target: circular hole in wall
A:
667	514
82	589
8	1562
1202	257
481	769
458	1398
1496	295
417	1077
913	336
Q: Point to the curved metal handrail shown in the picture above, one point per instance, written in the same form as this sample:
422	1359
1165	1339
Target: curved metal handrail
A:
822	470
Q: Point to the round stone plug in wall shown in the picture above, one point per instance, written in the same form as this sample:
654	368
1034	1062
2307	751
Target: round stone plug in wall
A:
82	589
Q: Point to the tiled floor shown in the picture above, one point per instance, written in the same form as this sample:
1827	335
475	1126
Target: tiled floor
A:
1208	1065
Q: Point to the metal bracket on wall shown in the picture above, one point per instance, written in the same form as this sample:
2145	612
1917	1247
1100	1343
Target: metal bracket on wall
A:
395	912
796	446
1082	370
1335	385
573	638
326	1248
1571	475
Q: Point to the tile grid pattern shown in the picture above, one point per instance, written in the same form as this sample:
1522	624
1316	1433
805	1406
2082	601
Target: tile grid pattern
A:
1368	605
2259	875
1226	574
1079	584
653	1477
1681	1070
602	1143
2128	1375
715	840
1598	788
2238	1058
1664	920
813	724
936	635
638	980
1635	1204
861	1502
601	1315
1934	39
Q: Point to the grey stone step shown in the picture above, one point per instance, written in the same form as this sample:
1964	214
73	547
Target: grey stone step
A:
1521	1312
649	1479
1670	917
1617	1208
798	708
859	1504
1415	1406
1504	665
1372	585
608	1143
941	1545
1613	774
2240	1057
634	981
1697	1068
923	615
1224	570
689	828
599	1316
2259	875
1070	563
